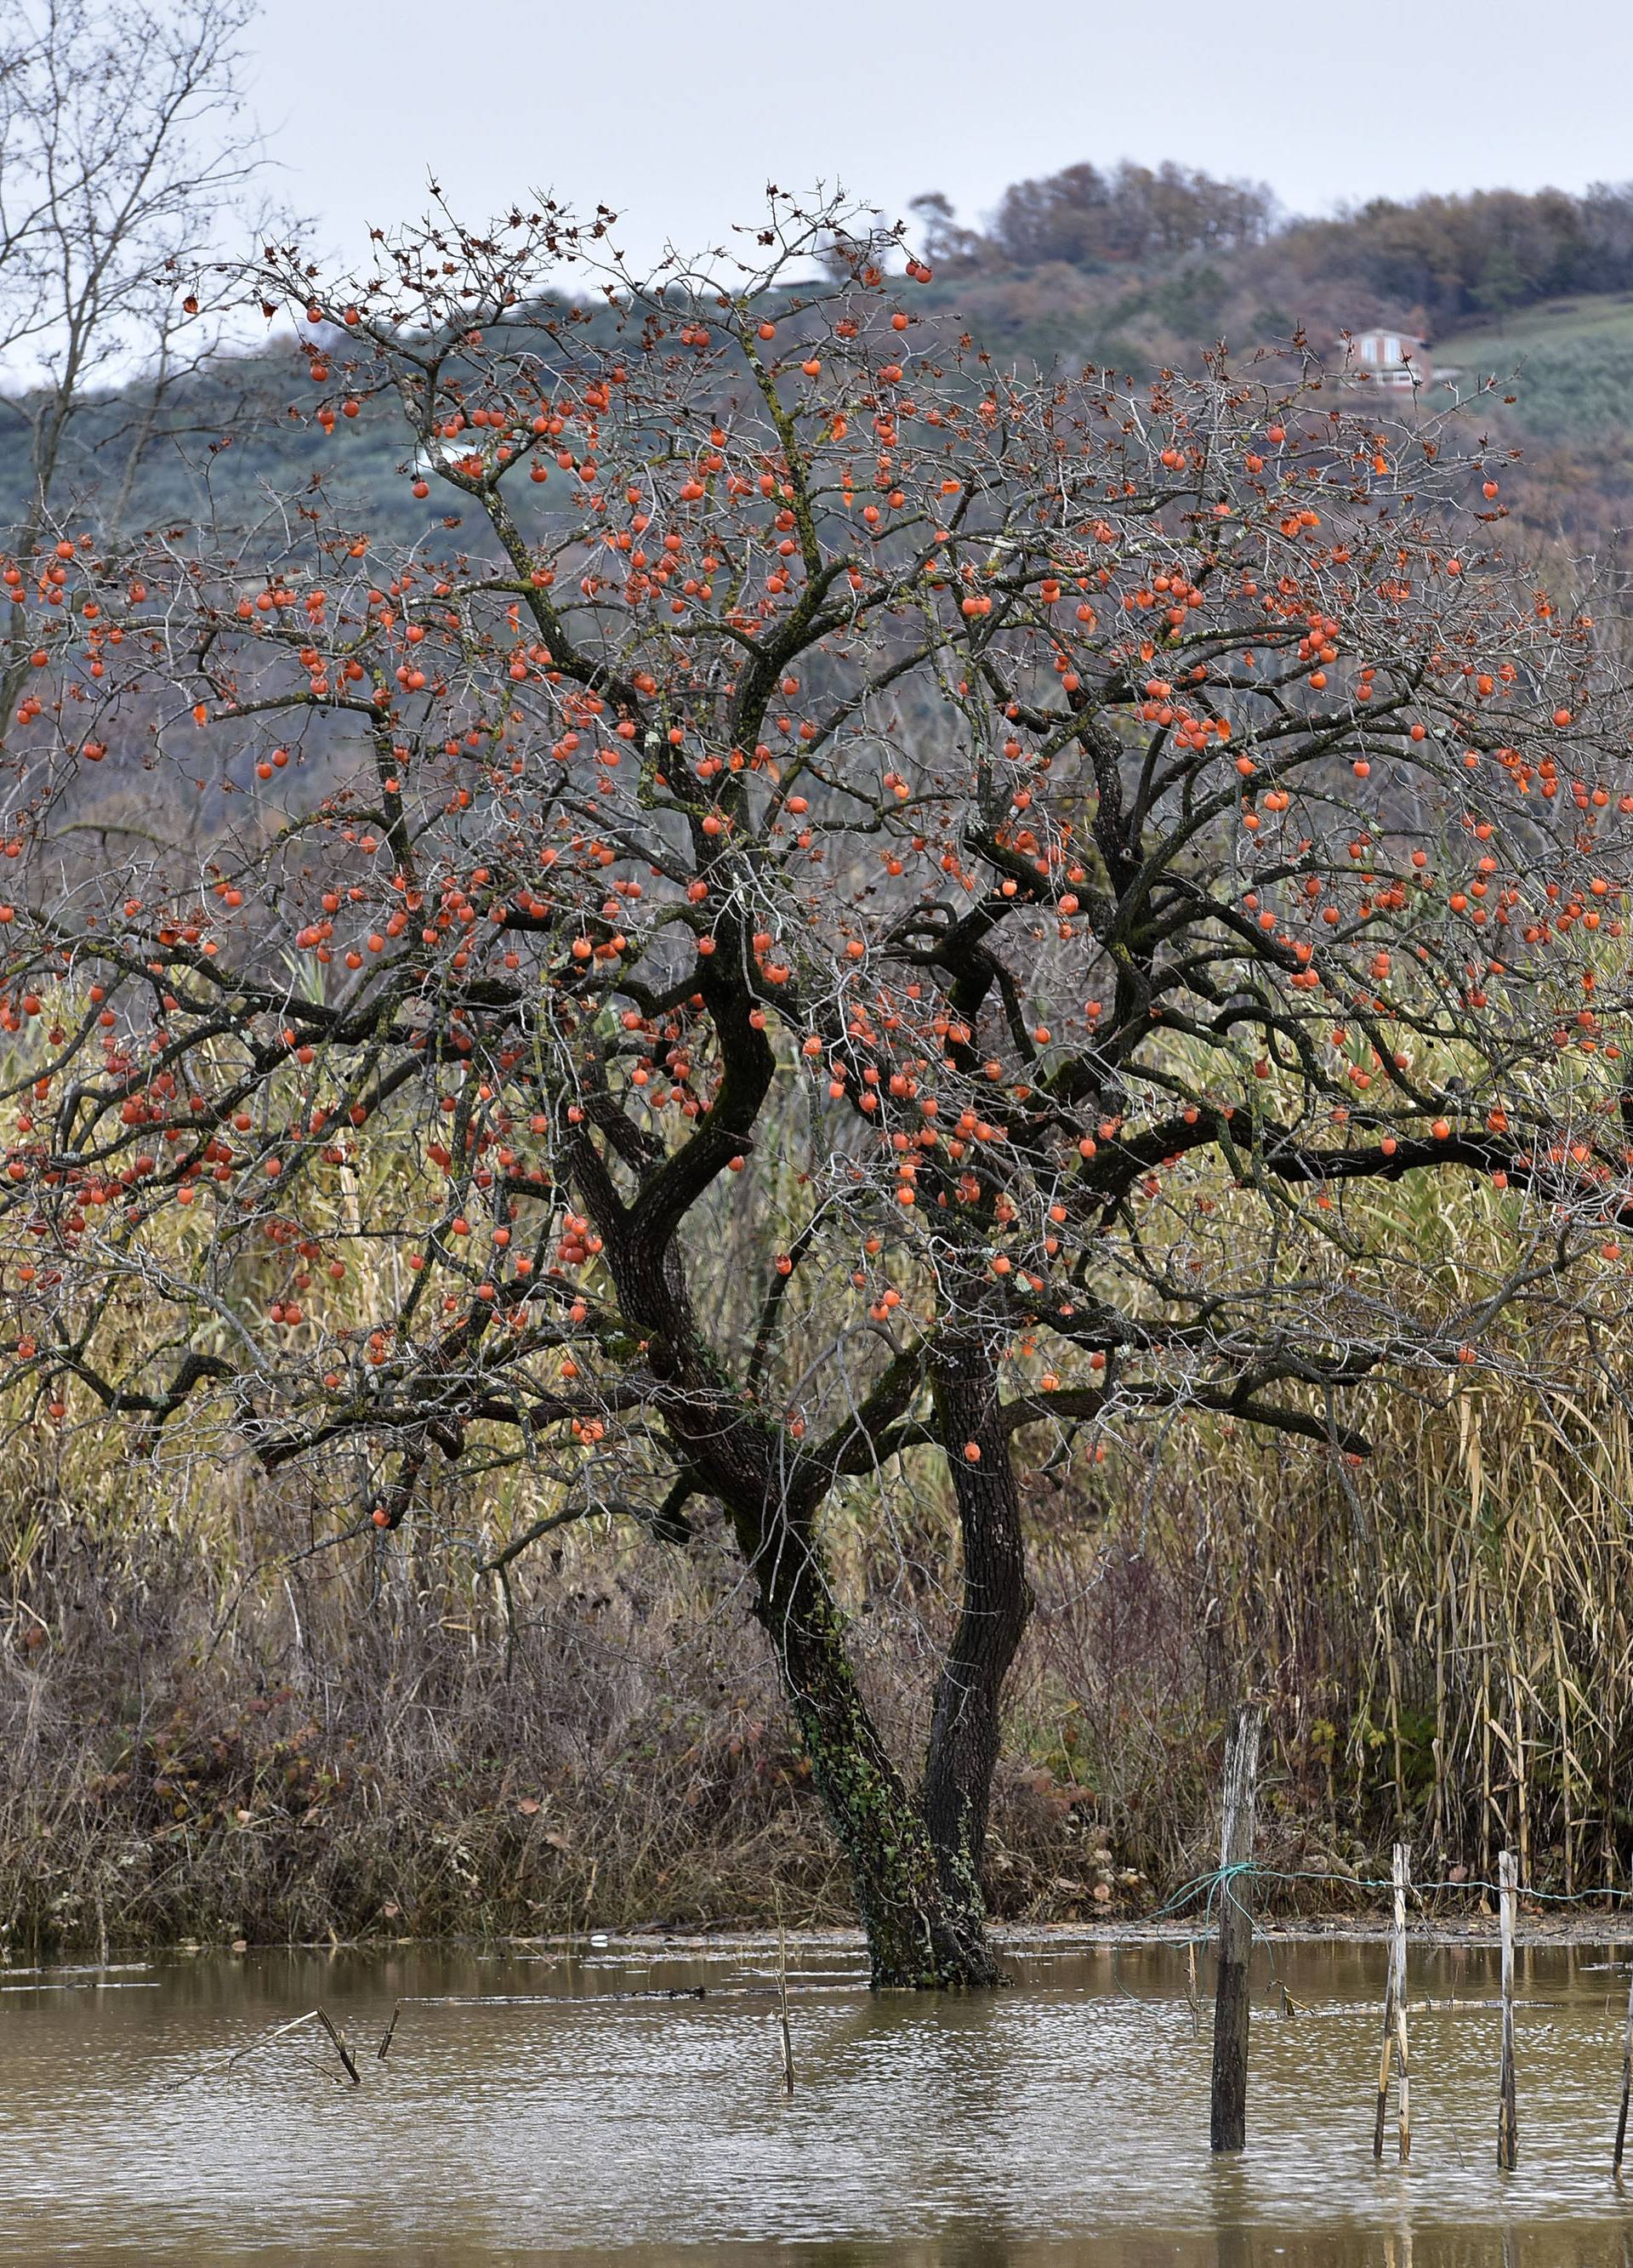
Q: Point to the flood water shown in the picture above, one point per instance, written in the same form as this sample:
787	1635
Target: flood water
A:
1064	2121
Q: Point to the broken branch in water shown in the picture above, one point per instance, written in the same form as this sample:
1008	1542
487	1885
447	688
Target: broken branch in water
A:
313	2016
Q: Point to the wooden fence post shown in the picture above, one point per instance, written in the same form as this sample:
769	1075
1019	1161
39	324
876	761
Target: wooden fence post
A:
1507	2112
1232	2010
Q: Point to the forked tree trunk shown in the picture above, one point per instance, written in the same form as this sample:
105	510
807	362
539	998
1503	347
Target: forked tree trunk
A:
919	1898
923	1929
919	1931
996	1604
915	1864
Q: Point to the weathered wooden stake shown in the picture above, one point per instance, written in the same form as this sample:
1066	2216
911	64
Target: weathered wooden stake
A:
1627	2076
1402	1878
1507	2113
1232	2009
1395	2018
782	2002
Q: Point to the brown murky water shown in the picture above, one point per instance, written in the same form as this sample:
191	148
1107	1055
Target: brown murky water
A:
1062	2122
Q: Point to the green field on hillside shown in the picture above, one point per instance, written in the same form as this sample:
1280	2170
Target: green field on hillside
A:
1569	361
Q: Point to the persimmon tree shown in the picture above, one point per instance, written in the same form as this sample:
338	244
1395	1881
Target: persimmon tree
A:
1032	863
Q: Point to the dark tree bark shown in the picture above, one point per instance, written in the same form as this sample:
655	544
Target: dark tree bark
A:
923	1927
924	1920
996	1604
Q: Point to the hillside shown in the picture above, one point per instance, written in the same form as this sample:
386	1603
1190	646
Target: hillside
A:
1133	269
1569	361
1568	365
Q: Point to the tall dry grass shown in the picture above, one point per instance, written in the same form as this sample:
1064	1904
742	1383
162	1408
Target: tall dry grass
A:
1442	1629
209	1731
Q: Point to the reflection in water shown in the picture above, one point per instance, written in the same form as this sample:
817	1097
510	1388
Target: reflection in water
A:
1063	2123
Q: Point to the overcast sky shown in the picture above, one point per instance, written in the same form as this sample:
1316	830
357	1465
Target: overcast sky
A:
677	115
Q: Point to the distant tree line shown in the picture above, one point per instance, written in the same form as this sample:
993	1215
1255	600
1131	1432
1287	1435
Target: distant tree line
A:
1447	259
1483	254
1133	215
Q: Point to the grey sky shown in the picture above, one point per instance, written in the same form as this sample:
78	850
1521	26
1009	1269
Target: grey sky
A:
677	114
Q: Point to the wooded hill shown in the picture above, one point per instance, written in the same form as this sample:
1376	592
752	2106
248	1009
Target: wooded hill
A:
1136	267
1530	296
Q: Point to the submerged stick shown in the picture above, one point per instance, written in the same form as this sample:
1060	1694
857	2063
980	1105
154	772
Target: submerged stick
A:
1627	2078
341	2048
1507	2109
384	2048
1232	2008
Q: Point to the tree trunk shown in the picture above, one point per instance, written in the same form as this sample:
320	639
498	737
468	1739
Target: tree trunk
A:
996	1604
919	1932
923	1927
